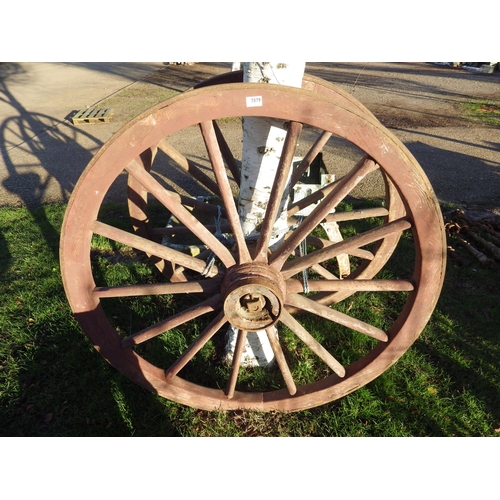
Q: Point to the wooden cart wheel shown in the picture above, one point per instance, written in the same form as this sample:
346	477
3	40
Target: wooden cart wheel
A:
138	195
247	286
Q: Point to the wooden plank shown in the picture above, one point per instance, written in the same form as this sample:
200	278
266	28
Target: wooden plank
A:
92	115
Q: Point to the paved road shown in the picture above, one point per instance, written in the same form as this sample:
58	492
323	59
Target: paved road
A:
43	154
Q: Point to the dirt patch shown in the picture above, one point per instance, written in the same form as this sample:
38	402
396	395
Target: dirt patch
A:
411	95
135	99
400	95
392	116
182	77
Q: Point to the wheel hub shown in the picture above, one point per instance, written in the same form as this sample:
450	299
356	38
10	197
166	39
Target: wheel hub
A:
253	296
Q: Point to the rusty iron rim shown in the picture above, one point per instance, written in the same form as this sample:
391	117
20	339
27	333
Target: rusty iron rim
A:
128	150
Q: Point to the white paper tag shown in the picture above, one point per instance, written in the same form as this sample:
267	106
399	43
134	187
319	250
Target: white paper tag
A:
254	101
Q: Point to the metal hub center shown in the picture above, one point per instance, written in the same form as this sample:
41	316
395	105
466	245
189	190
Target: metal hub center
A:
253	296
253	303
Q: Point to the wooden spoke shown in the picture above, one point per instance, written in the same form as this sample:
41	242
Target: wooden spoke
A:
178	319
322	243
164	197
311	199
235	366
189	201
190	352
312	343
294	266
280	359
215	155
202	206
310	155
189	167
358	214
135	199
278	189
137	194
326	312
323	272
352	285
227	155
150	247
345	186
169	231
205	286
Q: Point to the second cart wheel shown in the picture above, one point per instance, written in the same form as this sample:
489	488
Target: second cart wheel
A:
248	286
394	209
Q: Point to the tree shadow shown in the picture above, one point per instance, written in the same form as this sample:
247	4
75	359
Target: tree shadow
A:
79	396
61	385
40	153
461	346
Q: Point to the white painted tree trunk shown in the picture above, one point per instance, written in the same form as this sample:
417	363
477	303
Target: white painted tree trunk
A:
263	140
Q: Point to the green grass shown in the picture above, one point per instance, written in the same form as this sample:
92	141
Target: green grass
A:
483	111
53	383
133	100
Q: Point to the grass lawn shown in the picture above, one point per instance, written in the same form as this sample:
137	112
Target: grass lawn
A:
53	382
486	111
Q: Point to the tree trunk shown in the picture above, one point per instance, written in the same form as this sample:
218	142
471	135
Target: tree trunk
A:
263	140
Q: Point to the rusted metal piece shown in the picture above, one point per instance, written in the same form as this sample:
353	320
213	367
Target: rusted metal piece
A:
253	296
246	293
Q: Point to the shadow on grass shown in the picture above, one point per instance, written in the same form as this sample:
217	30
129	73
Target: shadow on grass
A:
446	384
52	382
65	388
448	380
